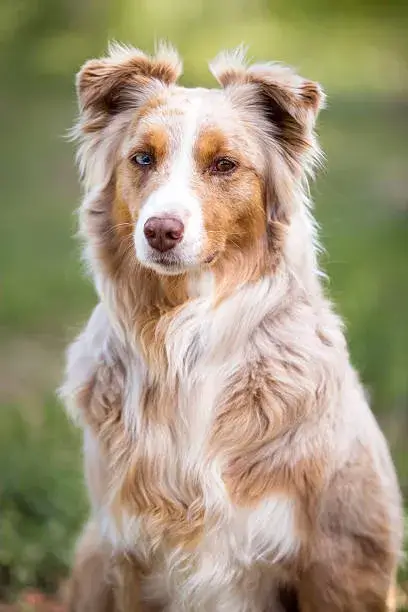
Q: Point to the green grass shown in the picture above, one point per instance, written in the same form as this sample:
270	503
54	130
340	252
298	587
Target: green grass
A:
362	205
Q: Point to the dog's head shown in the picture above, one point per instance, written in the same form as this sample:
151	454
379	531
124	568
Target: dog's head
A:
193	175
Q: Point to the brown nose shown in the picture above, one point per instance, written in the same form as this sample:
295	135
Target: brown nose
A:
163	233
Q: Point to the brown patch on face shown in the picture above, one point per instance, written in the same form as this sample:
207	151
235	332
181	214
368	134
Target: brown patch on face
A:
212	143
261	258
133	183
234	213
123	223
153	139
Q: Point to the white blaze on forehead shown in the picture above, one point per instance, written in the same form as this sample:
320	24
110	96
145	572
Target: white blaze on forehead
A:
176	197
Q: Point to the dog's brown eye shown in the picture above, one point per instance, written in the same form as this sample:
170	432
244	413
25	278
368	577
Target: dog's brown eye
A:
223	165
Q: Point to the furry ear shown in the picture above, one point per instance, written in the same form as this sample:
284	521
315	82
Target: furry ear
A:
109	85
289	103
282	108
107	88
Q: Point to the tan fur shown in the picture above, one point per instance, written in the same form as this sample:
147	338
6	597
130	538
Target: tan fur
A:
102	84
92	567
102	582
232	461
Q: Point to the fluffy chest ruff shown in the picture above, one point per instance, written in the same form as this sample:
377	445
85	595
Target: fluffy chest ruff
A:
197	451
192	478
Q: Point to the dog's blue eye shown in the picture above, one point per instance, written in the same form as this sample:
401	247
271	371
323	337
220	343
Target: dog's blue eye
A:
143	159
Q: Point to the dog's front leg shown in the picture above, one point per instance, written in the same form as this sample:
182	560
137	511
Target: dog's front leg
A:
354	545
93	390
354	568
360	591
91	586
102	581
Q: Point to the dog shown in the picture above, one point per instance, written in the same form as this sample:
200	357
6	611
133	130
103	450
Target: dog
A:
232	461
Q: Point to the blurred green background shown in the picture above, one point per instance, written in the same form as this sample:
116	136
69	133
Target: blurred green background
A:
357	49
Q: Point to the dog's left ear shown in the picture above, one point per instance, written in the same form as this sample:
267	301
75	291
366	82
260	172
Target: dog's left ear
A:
288	102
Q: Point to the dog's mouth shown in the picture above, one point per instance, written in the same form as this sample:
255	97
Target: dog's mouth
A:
170	263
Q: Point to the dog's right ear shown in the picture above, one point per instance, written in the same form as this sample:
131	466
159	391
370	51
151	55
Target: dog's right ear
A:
107	86
288	103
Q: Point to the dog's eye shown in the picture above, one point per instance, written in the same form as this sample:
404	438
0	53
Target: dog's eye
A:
143	159
223	165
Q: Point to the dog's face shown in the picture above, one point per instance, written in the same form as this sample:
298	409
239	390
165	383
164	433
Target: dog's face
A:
190	177
196	173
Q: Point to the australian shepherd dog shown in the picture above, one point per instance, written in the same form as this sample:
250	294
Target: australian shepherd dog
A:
232	461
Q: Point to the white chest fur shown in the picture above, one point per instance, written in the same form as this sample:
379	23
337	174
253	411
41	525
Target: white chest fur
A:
234	544
220	568
233	568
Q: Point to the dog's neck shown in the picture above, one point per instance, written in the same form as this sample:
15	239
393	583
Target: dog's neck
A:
167	317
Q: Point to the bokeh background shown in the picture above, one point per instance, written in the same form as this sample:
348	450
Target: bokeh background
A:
359	51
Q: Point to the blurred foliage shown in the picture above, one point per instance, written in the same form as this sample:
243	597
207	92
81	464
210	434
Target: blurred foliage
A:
357	48
40	507
350	45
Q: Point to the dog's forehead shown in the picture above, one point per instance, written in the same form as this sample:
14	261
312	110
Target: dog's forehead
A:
181	107
190	99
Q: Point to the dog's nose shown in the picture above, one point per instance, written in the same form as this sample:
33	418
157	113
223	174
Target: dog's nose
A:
163	233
